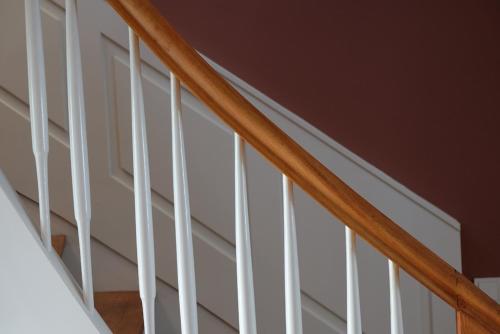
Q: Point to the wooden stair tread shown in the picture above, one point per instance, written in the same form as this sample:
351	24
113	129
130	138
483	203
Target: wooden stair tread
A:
121	310
58	242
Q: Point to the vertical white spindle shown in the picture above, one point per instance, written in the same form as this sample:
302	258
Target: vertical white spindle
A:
395	296
353	300
183	233
142	191
38	112
78	149
246	298
292	278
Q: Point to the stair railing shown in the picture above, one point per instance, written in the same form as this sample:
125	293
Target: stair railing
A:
77	133
359	216
38	112
78	149
476	312
142	190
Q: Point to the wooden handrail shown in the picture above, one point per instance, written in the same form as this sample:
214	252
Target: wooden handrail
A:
306	171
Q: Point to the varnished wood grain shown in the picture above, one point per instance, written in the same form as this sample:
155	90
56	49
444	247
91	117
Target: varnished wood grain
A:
307	172
58	242
467	325
121	310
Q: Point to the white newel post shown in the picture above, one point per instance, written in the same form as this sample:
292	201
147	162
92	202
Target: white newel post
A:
395	299
246	298
78	149
142	191
38	112
353	300
293	306
183	232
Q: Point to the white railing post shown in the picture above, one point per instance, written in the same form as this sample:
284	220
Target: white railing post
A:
246	298
142	191
38	112
353	300
395	299
78	149
293	304
183	232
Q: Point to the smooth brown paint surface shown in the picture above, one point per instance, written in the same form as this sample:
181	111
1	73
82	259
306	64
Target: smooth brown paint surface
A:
412	87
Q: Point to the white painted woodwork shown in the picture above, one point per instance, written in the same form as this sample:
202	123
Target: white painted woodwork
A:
38	112
490	285
113	271
37	295
183	230
293	305
354	325
142	191
78	148
210	157
395	299
246	296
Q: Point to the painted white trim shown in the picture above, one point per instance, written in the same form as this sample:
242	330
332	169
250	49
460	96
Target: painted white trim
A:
490	285
183	229
53	271
142	191
248	90
354	324
243	86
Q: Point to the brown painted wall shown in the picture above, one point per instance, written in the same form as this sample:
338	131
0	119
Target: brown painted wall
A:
413	87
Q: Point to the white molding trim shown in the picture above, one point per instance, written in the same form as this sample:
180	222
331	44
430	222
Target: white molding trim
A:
490	285
243	86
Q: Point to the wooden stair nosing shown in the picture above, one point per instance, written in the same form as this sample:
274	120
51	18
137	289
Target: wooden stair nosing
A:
121	310
58	243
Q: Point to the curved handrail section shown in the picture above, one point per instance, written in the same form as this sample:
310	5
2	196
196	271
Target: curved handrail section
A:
300	166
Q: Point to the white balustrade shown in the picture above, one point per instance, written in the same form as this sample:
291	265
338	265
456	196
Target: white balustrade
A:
183	231
78	149
38	112
142	191
395	299
353	300
244	271
293	306
143	204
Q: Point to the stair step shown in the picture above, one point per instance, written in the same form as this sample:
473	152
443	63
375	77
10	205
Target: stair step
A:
58	242
121	310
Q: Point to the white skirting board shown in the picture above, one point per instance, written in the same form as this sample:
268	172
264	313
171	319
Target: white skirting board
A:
37	295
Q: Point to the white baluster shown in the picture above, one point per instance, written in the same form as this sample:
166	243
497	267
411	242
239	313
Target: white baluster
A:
396	311
353	300
142	191
246	298
183	234
292	278
38	112
78	148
